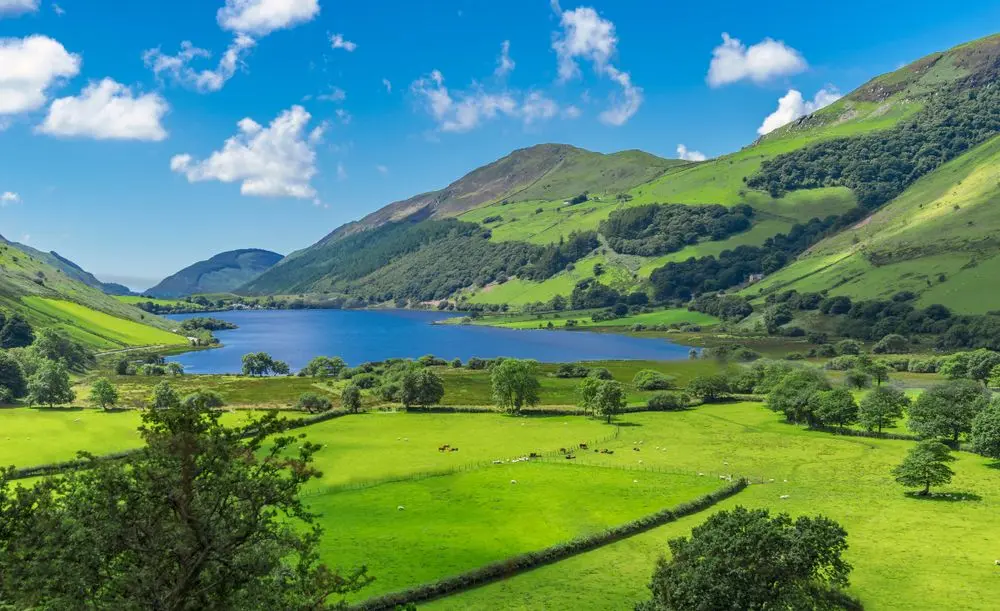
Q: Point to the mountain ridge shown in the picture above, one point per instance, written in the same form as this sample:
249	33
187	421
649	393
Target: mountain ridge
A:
220	273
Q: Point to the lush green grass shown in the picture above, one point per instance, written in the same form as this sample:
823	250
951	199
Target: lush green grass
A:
134	299
936	239
583	319
117	331
907	552
460	522
31	436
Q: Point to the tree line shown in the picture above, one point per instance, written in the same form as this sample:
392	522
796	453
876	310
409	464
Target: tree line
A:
658	229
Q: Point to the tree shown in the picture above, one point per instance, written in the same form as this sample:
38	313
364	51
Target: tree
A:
50	385
313	402
16	333
204	517
421	387
202	401
350	398
748	560
848	346
647	379
891	344
836	406
796	396
515	384
122	367
55	345
881	408
985	434
878	370
175	369
261	364
324	367
609	399
857	378
947	410
103	394
981	364
588	394
164	397
925	465
710	388
11	376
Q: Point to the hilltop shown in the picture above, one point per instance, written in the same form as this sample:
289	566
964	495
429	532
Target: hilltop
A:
220	274
69	268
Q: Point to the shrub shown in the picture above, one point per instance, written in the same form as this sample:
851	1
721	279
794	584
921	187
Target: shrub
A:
794	356
924	365
601	373
365	380
429	360
842	363
647	379
572	370
848	346
314	403
667	402
891	344
710	388
476	363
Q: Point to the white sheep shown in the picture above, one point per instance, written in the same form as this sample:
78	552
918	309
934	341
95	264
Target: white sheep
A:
400	508
513	481
635	481
784	496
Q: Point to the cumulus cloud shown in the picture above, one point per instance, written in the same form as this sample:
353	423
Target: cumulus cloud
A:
336	94
9	197
107	111
261	17
686	155
505	65
733	61
17	7
178	67
792	105
587	36
467	111
29	68
387	85
571	112
337	41
537	107
274	161
343	116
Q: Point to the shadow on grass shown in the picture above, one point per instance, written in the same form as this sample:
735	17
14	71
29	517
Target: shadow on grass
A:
628	424
45	408
945	497
993	465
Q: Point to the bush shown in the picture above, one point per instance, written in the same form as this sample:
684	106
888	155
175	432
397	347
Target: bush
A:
897	363
365	380
647	379
572	370
794	356
924	365
601	373
667	402
891	344
710	388
476	363
314	403
842	363
848	346
429	360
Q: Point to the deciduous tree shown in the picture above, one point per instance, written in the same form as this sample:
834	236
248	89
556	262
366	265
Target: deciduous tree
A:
881	408
925	465
515	384
103	394
947	410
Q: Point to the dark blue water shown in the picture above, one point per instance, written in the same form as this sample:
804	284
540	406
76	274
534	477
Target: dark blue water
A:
296	336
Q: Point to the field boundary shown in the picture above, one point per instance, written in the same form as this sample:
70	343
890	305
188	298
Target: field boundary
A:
522	563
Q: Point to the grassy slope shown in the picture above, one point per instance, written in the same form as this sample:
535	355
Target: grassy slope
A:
907	552
943	227
96	319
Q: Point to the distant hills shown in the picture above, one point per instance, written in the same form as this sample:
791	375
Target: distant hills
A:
69	268
222	273
904	170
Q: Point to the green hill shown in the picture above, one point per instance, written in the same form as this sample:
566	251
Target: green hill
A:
220	274
49	297
882	150
69	268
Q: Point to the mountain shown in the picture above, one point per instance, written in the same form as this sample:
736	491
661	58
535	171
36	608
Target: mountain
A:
221	274
890	188
49	296
69	268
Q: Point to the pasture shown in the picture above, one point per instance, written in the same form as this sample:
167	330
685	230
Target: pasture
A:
91	326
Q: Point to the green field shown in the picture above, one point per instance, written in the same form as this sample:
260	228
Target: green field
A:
81	321
134	299
583	319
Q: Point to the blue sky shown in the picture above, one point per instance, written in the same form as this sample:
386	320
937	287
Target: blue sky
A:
115	154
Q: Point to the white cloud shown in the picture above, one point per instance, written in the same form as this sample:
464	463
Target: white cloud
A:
336	94
465	113
792	105
58	10
337	41
733	61
685	154
9	197
586	35
107	111
381	169
387	85
505	65
537	107
572	112
343	116
178	66
29	68
17	7
261	17
341	172
274	161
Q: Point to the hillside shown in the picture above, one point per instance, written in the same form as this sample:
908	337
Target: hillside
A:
874	151
69	268
49	297
221	274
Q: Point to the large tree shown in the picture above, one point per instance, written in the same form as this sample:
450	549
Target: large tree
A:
50	385
796	395
947	410
746	559
881	408
350	398
515	384
609	400
985	434
837	407
203	517
12	376
56	345
103	394
324	367
16	332
925	465
421	387
710	388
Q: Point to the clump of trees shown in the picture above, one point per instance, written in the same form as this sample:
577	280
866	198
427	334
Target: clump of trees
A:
881	408
324	367
605	398
207	324
658	229
748	559
647	379
314	403
515	384
946	411
258	364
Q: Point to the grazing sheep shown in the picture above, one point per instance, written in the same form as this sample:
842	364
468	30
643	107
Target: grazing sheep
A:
635	449
570	457
701	475
635	481
400	508
640	462
784	496
513	481
996	562
497	462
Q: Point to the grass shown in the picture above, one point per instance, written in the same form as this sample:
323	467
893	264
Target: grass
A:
78	319
583	319
936	239
906	552
136	299
459	522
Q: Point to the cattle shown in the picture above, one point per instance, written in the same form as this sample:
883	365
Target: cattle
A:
570	457
444	448
562	450
453	449
635	449
583	446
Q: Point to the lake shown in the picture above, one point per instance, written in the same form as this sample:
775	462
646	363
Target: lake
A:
296	336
